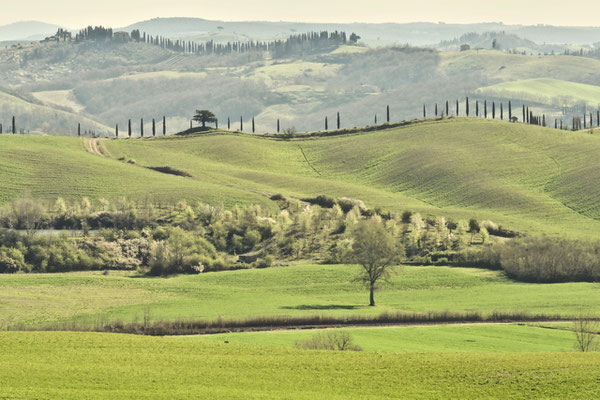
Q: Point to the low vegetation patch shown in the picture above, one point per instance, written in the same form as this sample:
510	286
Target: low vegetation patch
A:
336	341
267	323
171	171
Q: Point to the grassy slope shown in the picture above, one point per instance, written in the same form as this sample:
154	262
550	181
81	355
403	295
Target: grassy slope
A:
49	167
547	91
73	366
443	339
503	67
296	290
526	177
19	106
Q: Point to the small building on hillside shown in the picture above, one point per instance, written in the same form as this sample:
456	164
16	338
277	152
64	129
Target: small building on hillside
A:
122	37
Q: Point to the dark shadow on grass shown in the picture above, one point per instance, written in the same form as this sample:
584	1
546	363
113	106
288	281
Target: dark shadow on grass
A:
321	307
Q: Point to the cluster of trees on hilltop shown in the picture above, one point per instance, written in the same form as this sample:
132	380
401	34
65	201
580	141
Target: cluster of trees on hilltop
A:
94	33
305	43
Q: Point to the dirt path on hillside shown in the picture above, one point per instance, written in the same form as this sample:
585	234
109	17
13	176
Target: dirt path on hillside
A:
94	147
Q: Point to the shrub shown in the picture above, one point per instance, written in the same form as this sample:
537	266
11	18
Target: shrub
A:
12	261
473	225
487	257
336	341
265	262
551	260
322	201
347	204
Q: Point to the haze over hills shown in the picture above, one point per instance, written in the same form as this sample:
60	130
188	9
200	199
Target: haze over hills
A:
27	30
417	33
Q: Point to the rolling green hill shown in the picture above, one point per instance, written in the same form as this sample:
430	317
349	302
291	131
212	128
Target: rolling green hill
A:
527	178
51	365
546	91
299	290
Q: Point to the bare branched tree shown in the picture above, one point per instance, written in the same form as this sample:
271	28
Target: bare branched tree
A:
585	334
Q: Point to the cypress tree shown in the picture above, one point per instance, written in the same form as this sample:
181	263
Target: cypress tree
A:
241	124
326	124
117	131
129	128
447	108
485	108
524	118
253	127
584	121
388	114
555	124
142	127
424	111
493	110
477	108
509	111
0	129
528	116
79	129
278	126
14	127
339	121
164	126
153	127
502	111
467	106
598	119
457	109
561	125
544	120
436	110
229	124
216	123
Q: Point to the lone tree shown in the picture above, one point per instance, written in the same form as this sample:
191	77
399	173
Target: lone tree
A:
204	116
585	334
375	250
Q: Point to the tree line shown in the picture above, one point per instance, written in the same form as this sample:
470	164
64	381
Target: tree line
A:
310	42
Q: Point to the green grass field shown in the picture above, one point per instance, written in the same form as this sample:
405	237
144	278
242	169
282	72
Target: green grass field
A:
38	300
441	339
546	91
50	167
504	67
83	365
527	178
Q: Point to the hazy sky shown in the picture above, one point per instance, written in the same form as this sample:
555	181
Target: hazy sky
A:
78	13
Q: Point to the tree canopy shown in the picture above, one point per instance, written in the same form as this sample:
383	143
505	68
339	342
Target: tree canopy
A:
204	116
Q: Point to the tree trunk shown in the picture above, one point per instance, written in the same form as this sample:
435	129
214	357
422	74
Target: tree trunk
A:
372	297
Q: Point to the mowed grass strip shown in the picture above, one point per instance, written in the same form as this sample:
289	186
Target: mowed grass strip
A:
442	338
85	365
299	290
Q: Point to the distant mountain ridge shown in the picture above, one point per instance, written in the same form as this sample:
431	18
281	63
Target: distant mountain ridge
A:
27	30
